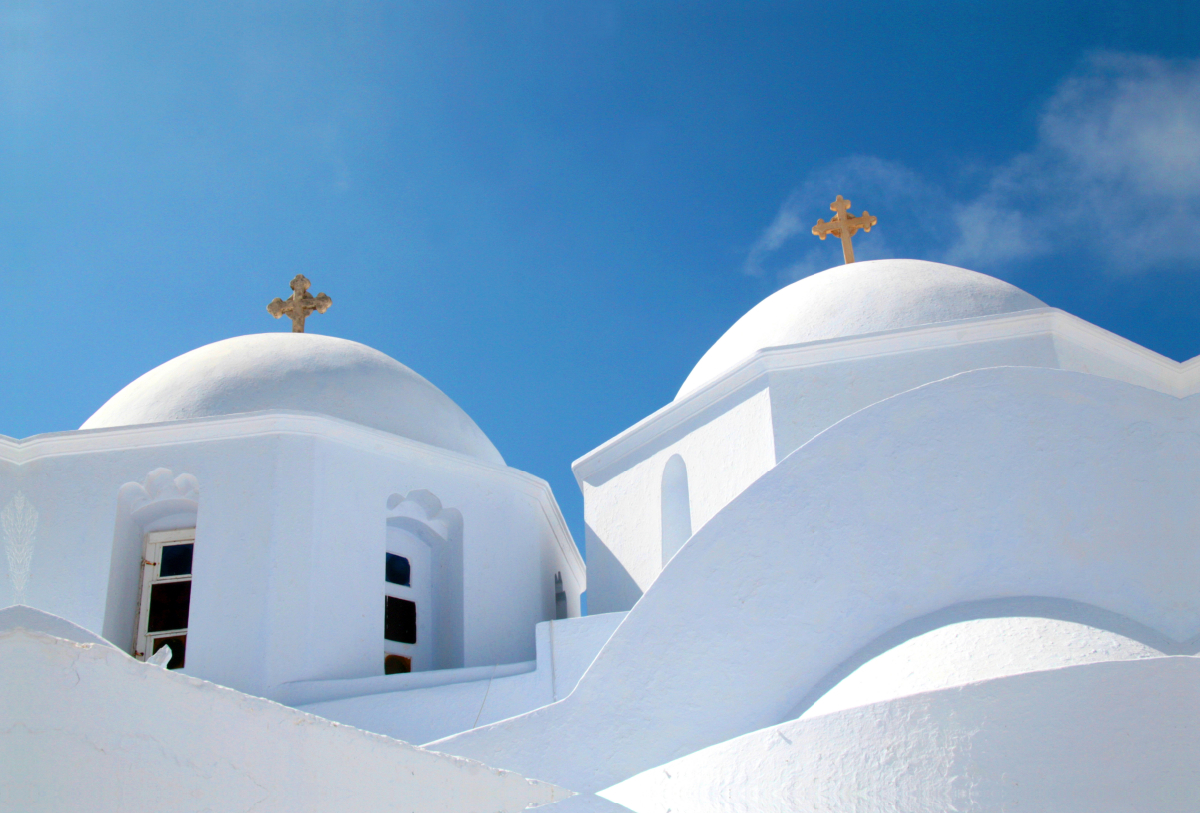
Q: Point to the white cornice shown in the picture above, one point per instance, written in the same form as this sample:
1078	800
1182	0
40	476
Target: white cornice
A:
296	424
1156	371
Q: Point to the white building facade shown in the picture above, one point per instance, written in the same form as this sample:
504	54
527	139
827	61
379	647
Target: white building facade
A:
906	539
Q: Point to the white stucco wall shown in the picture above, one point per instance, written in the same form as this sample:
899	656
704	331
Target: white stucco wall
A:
810	387
423	708
89	728
724	450
290	540
1095	738
998	482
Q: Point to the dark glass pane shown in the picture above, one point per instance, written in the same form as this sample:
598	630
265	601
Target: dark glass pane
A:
169	606
176	560
178	644
396	665
398	571
400	621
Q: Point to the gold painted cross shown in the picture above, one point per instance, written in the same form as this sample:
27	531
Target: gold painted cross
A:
300	304
844	225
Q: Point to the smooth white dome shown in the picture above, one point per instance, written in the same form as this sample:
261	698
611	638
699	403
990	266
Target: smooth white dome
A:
970	651
855	299
298	371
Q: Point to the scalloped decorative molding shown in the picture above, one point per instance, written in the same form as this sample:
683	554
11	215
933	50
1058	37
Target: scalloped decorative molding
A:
161	493
424	507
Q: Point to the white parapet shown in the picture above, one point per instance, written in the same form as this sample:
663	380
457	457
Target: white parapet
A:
90	728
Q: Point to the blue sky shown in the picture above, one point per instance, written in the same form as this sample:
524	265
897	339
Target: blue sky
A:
551	210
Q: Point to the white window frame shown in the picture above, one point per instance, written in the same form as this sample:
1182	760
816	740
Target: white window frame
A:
151	556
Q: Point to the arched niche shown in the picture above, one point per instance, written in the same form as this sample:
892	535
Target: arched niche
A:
420	516
676	508
160	502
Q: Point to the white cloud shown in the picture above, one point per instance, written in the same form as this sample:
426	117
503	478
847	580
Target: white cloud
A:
1114	175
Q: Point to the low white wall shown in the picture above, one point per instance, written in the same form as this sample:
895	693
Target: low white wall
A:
89	728
1098	738
426	707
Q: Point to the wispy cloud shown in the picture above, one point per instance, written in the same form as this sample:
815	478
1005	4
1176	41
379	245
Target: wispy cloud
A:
1114	175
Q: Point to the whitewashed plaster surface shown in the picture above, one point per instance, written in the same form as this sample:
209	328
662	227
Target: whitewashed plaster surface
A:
424	707
89	728
297	371
1097	738
855	299
1000	482
724	451
291	512
978	649
816	355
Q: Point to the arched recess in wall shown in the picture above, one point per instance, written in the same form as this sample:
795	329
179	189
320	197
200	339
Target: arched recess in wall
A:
161	502
676	508
420	515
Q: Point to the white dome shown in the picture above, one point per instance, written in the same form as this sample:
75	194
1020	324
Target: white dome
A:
854	299
298	371
971	651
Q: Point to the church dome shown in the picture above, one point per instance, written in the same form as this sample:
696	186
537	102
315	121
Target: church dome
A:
851	300
298	371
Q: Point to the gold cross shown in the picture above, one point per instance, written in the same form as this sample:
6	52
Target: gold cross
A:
300	304
844	225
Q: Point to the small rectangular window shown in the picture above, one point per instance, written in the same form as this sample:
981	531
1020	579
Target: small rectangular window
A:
398	570
176	561
400	620
166	595
169	603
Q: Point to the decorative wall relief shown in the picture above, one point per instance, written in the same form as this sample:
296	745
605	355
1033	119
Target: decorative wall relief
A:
424	507
161	487
19	520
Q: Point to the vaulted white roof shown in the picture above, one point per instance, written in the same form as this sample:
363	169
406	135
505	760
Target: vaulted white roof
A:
298	371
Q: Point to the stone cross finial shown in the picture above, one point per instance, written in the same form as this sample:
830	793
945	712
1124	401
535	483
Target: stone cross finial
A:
300	304
844	225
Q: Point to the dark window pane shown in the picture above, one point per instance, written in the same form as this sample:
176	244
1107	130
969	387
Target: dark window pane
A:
176	560
396	664
178	644
398	571
169	606
400	620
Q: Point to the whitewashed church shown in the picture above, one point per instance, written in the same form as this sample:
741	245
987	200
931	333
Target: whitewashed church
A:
907	539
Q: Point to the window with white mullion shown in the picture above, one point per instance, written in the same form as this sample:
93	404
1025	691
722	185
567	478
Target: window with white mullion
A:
165	598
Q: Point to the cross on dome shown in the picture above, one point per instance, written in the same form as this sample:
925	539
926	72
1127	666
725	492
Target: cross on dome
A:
844	225
300	304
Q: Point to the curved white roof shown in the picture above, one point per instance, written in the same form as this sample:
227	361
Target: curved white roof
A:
298	371
851	300
970	651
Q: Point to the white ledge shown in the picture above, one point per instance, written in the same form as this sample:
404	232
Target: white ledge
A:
295	423
1157	371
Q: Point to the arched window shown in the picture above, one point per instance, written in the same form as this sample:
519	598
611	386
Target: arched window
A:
676	508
